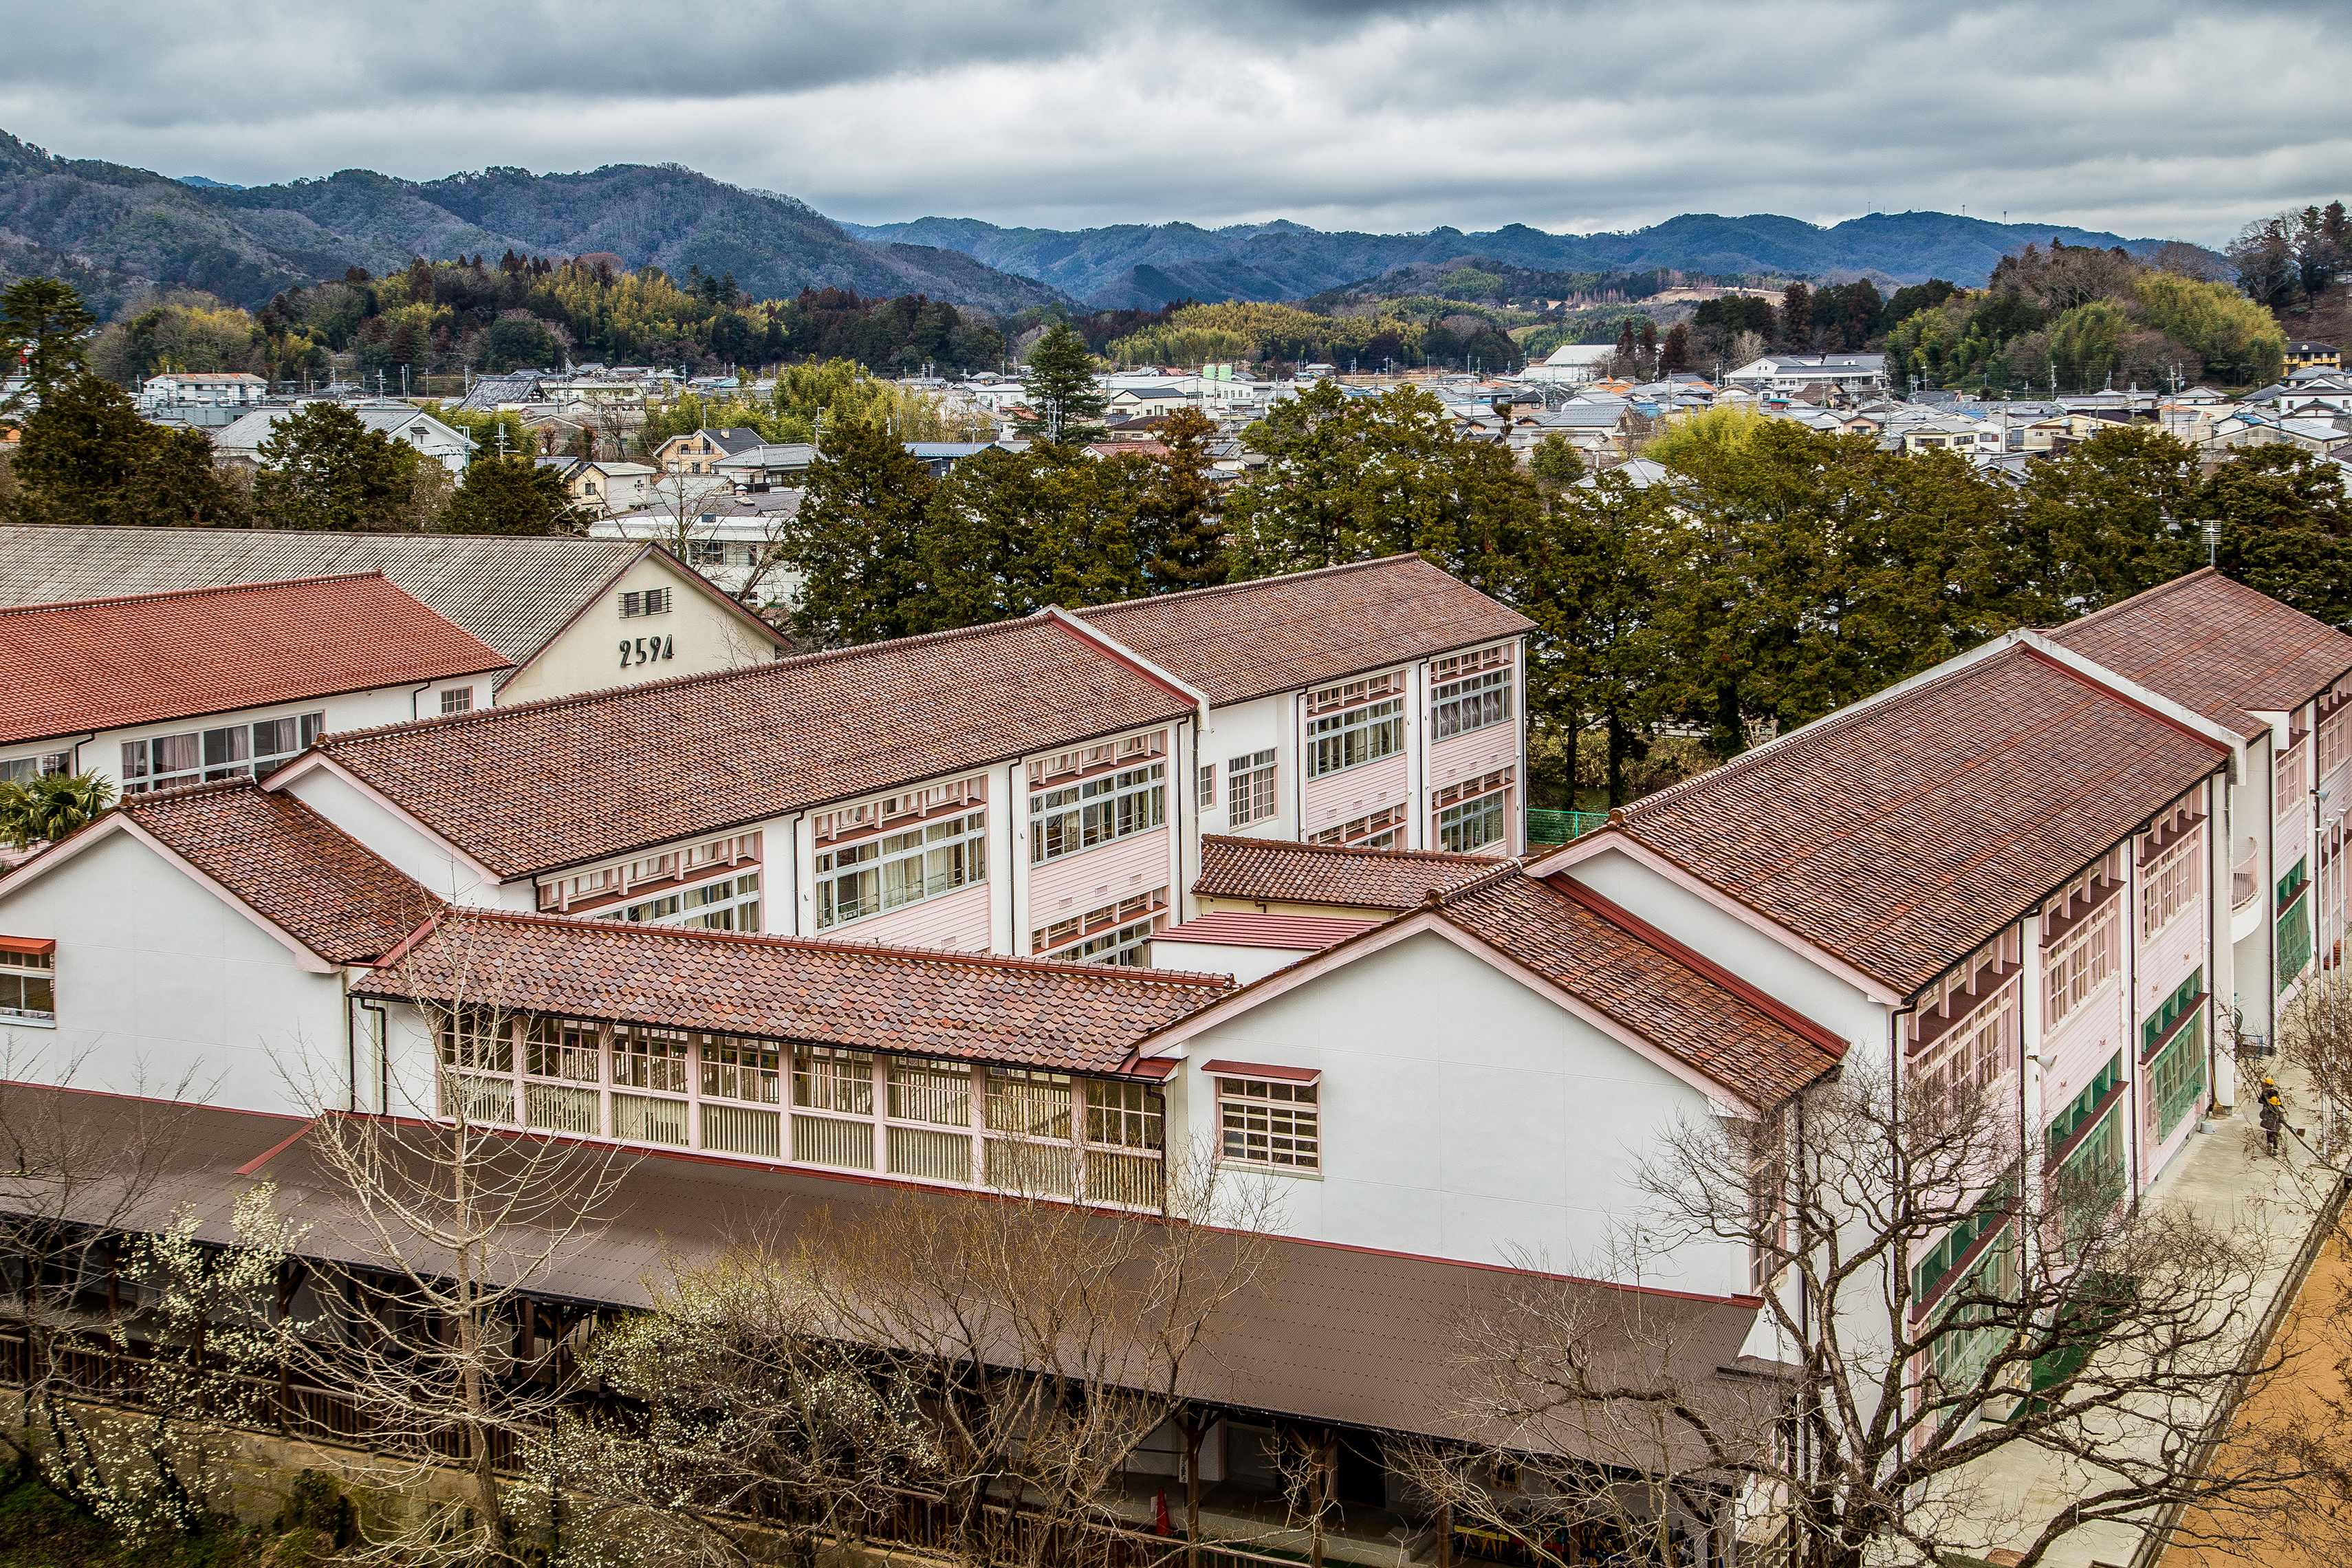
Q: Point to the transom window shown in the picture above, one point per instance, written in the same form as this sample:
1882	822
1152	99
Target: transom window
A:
1115	933
1264	1122
1080	816
894	869
1250	788
208	756
1470	691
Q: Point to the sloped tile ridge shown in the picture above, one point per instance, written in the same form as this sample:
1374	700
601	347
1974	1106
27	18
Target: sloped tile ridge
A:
707	677
937	955
214	590
1260	583
1383	857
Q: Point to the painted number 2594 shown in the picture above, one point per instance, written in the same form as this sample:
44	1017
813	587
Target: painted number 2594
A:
645	650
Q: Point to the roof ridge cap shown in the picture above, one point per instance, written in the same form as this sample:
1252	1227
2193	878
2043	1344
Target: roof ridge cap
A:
1131	973
1449	857
158	594
1447	897
1248	583
129	805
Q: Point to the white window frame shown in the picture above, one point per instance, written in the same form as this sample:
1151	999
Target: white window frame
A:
457	699
619	877
1354	723
2169	885
143	768
1471	691
2074	970
27	979
1972	1053
1113	934
1251	788
1074	818
947	853
726	903
1456	804
1288	1139
24	770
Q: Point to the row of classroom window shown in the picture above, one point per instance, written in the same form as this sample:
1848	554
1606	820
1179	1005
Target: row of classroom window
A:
1051	1132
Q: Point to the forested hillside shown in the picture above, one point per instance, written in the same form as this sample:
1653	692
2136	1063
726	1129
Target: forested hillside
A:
122	225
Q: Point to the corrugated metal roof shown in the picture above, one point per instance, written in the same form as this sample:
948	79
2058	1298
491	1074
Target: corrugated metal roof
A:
513	593
1248	927
1335	1333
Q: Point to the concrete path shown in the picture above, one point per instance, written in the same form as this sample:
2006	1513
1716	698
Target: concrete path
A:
2223	1176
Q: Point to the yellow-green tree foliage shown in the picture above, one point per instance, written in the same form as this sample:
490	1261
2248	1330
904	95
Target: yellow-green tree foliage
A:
1689	438
2239	339
185	335
1235	329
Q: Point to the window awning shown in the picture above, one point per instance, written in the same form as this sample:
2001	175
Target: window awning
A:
28	944
1262	1069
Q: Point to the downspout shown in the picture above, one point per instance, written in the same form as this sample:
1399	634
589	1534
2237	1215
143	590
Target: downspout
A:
412	695
383	1055
78	745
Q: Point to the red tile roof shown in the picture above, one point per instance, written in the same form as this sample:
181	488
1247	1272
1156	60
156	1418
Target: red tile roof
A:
1069	1017
1245	640
101	664
1271	870
574	779
1673	998
1902	833
2215	647
289	865
1247	928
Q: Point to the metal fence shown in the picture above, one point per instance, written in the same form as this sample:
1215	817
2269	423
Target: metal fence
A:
1562	826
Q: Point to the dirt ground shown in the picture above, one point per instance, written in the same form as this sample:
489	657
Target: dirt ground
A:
2317	1529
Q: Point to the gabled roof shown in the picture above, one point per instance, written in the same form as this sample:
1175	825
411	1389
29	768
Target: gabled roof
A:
570	780
1069	1017
1900	834
101	664
1245	640
2215	647
1640	979
515	595
288	865
1247	928
1274	870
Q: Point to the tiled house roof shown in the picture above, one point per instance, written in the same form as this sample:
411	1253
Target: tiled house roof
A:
1069	1017
1675	999
1272	871
2215	647
289	865
1245	640
101	664
1900	834
546	784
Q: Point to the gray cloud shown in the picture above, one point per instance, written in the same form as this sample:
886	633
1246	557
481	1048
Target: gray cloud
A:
2158	118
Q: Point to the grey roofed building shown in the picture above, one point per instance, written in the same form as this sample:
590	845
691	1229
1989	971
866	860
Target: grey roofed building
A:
516	594
451	448
488	393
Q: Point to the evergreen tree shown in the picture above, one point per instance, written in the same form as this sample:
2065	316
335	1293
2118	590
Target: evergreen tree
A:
2284	528
179	485
1181	527
1064	403
1677	353
1797	317
323	468
1863	306
42	324
512	495
1555	463
857	542
2100	522
80	454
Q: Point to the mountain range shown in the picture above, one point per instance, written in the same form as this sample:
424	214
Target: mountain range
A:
105	226
1147	265
111	229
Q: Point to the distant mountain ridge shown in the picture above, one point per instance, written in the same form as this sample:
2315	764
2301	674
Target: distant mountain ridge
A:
1147	265
119	225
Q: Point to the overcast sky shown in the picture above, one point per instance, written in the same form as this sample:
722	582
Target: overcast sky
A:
2152	117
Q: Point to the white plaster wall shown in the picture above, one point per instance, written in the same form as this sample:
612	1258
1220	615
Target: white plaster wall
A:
409	846
702	634
1463	1116
1244	964
1336	798
1244	729
159	982
1776	969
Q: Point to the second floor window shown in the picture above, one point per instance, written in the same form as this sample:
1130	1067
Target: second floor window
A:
1353	736
208	756
1081	816
1249	788
894	869
1470	692
2078	963
2169	886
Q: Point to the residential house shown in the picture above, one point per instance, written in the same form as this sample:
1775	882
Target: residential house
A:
2304	355
601	485
556	608
1790	373
200	398
765	464
1572	363
701	451
240	441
